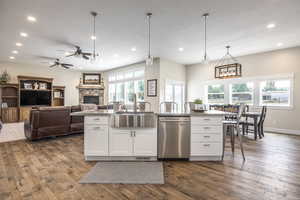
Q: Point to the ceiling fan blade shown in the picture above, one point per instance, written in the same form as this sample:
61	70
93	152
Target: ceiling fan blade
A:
85	57
87	54
65	64
53	65
73	54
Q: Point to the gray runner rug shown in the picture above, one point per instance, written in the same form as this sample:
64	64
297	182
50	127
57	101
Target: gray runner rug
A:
125	172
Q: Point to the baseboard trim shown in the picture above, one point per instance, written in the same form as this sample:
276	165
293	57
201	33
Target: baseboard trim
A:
283	131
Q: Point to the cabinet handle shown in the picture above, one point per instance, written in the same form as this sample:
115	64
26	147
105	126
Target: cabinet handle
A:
206	119
134	133
206	136
206	145
206	128
97	128
96	119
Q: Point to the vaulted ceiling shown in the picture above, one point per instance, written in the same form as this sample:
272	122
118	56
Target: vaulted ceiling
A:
122	26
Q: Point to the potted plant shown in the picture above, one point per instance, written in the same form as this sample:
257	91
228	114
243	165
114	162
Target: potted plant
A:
199	106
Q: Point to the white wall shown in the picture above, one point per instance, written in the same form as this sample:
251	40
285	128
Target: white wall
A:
263	64
61	77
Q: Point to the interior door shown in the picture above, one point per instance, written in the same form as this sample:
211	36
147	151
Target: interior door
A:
145	142
120	142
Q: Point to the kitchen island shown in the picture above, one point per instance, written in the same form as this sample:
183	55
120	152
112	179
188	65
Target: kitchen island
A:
133	135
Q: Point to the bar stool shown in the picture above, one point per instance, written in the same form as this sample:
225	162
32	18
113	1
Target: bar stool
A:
231	125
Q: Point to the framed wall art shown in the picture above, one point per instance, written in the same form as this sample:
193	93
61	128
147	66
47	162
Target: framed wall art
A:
152	88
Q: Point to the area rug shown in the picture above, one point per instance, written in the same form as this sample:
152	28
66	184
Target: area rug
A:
125	172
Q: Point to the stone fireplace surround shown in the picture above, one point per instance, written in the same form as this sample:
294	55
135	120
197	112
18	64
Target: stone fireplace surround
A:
91	90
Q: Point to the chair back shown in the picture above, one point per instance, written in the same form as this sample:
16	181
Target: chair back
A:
241	111
263	115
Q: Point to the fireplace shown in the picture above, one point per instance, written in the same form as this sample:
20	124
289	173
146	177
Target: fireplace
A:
91	100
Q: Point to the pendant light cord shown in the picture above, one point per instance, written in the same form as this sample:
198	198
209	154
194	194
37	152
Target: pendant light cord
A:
205	15
149	34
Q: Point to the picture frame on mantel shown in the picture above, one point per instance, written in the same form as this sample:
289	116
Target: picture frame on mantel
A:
91	79
152	88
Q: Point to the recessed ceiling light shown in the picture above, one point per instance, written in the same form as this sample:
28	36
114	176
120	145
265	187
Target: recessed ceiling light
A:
23	34
279	44
15	52
271	25
11	57
93	37
18	44
31	18
180	49
67	53
133	49
116	55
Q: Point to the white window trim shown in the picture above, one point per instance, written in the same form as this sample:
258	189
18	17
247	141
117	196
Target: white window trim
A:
256	90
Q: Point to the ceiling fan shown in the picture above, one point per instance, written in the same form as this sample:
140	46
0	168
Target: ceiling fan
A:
78	52
58	63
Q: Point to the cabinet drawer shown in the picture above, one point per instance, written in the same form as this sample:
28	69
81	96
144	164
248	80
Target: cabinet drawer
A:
212	137
96	120
195	128
209	120
95	128
206	149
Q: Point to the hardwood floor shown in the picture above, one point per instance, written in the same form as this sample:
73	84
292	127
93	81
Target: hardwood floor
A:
50	169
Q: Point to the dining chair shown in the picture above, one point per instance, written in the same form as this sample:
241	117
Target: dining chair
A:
229	126
260	124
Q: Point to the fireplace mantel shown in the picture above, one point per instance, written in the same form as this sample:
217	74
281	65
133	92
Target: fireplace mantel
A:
95	87
91	90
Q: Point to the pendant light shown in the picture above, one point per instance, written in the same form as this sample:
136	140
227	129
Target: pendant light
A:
228	66
149	59
94	38
205	58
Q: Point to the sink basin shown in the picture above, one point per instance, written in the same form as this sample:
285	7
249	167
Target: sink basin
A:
133	120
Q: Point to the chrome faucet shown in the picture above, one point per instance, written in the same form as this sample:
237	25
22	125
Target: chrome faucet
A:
134	103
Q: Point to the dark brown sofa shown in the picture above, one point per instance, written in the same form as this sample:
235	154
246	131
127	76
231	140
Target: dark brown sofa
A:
53	121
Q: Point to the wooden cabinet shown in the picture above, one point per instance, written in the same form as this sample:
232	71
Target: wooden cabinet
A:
24	113
58	96
133	142
9	115
206	138
9	102
96	136
145	142
120	142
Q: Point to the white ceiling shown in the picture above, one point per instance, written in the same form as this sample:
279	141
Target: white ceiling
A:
122	25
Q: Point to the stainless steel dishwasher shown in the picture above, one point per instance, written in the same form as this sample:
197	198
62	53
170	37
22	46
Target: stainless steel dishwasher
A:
174	133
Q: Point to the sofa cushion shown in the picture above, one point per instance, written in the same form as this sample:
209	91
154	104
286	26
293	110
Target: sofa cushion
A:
77	127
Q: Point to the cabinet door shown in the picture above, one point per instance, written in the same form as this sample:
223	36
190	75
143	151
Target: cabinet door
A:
120	142
145	142
96	140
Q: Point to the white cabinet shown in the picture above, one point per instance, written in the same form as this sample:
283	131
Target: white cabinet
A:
96	136
132	142
120	142
145	142
206	137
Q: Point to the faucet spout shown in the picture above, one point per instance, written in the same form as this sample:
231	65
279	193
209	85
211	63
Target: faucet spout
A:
134	103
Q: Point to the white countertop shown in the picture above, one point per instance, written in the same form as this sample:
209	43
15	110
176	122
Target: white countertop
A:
109	112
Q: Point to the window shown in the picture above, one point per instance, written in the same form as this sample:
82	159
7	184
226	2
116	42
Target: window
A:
275	92
174	91
215	94
123	84
241	93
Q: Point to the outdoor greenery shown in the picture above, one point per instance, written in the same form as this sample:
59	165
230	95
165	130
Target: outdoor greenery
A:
198	101
215	88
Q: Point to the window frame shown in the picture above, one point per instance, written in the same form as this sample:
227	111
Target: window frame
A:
112	79
246	82
256	89
206	93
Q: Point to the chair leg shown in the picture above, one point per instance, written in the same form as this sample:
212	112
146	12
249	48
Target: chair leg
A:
232	137
241	143
224	139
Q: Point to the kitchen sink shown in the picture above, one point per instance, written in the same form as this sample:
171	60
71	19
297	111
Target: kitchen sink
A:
133	120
